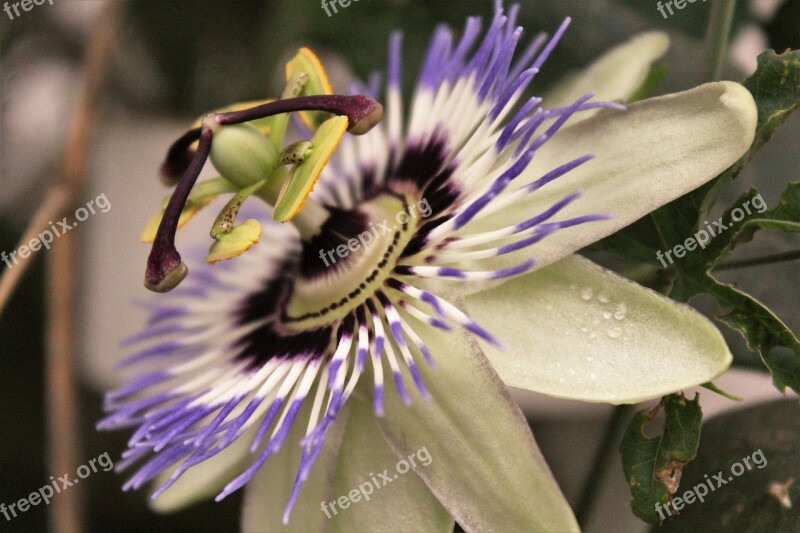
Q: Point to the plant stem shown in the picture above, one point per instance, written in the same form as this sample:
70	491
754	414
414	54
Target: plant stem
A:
717	34
55	201
602	460
763	260
61	391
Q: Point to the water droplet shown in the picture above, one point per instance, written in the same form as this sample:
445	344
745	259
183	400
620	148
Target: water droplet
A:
621	311
603	297
606	314
589	358
584	329
593	335
614	332
586	294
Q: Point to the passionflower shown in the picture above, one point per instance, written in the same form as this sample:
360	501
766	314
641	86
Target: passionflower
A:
426	264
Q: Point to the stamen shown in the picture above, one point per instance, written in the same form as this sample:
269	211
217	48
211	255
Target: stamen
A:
362	112
227	217
165	269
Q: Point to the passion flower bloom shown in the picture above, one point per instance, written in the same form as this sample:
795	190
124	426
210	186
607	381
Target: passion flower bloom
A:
432	266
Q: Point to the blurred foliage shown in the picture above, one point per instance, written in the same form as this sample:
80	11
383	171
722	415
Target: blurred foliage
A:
784	28
209	54
691	20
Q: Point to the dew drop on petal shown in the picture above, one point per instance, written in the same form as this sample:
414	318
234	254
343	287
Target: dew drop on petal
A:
614	332
603	297
586	294
607	314
621	311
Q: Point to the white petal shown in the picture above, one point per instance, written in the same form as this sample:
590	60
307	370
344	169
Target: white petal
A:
645	157
402	503
615	76
578	331
268	492
485	467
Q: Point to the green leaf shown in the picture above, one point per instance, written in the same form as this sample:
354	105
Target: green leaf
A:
745	457
762	329
775	86
653	465
752	216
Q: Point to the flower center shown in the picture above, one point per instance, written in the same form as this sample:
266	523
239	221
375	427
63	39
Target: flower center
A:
348	260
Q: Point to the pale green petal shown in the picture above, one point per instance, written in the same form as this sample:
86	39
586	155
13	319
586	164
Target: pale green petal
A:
656	151
268	492
354	451
485	466
578	331
615	76
402	504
